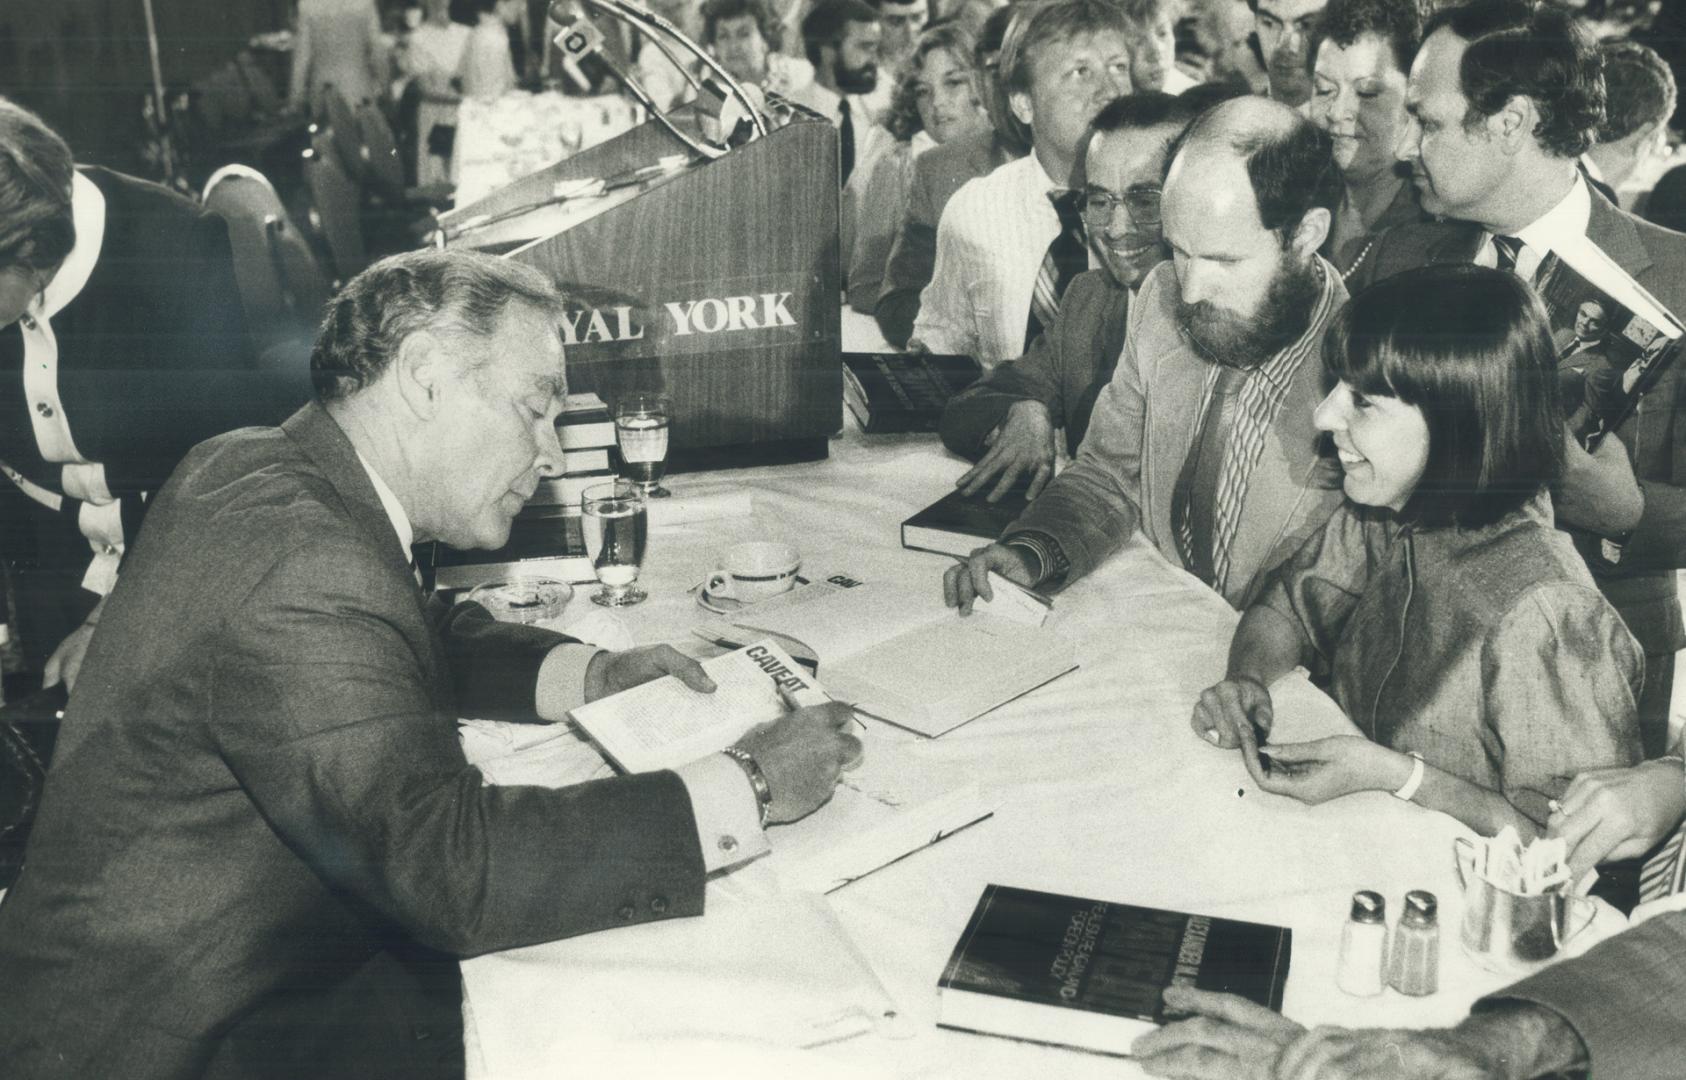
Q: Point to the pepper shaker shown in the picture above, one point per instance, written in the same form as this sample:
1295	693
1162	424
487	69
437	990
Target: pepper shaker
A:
1414	960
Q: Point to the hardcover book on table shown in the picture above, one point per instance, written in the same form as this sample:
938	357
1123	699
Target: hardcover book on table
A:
1090	973
956	524
891	393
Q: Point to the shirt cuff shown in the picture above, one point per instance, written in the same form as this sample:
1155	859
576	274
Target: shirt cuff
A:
561	682
1050	563
727	812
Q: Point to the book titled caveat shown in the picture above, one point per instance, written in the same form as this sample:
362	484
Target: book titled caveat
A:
900	392
891	804
1089	973
957	524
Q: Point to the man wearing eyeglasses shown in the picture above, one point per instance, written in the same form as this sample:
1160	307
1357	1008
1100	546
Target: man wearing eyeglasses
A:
1005	422
1203	438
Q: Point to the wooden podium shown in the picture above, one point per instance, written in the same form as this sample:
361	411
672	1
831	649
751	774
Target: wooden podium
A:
717	283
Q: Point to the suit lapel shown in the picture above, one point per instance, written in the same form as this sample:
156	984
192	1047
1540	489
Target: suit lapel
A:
1458	244
1613	231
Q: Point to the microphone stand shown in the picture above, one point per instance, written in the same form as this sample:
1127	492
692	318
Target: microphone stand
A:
643	17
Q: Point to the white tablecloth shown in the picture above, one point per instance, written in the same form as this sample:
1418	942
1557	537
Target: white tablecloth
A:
1103	790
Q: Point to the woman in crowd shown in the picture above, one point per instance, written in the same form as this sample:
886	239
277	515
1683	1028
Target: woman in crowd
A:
1461	632
937	98
1360	54
122	344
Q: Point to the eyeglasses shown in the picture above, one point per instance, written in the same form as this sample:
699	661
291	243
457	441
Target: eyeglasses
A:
1142	204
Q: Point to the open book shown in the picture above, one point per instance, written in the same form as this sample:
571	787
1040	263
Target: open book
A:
887	807
903	656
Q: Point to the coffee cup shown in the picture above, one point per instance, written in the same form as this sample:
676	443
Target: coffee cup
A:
1508	931
753	571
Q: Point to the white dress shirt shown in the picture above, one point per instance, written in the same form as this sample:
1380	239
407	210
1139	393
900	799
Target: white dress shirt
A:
727	812
991	240
1563	224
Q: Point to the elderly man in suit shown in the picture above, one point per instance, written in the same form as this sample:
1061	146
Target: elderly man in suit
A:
1204	438
259	788
1503	99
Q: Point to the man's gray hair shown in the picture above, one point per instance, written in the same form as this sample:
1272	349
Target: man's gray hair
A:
442	291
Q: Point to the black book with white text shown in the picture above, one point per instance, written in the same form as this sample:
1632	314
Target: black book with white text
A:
1090	973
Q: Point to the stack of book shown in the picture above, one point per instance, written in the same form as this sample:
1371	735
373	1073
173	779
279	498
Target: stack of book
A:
891	393
546	538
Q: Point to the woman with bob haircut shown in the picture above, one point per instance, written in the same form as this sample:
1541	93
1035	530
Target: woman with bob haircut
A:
1459	629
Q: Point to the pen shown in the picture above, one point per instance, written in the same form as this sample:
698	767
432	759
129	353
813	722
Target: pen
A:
788	696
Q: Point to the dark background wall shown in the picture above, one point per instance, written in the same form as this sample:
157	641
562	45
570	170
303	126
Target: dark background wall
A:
84	65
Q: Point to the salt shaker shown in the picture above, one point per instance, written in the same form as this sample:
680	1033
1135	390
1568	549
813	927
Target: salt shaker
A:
1414	960
1363	946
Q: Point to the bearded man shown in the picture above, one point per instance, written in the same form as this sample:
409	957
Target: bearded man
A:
1203	439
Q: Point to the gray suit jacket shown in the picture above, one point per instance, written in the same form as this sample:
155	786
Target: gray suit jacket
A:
259	779
1140	434
1642	585
1626	997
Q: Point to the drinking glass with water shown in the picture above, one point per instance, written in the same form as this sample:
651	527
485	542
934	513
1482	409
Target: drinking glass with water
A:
616	529
641	422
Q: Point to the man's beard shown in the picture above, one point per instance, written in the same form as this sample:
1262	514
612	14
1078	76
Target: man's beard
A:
859	80
1248	341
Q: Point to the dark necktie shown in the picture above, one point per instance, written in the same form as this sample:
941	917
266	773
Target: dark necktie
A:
846	132
1066	257
1194	501
1507	248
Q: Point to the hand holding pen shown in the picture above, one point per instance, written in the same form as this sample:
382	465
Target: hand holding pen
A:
801	755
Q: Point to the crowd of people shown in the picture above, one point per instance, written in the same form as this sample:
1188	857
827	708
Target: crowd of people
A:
1291	288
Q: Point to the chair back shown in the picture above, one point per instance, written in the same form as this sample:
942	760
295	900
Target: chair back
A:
281	285
336	206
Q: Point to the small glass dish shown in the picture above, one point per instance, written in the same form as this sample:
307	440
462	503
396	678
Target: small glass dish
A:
527	599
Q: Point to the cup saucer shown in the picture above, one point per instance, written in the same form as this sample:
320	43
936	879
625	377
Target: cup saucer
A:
720	605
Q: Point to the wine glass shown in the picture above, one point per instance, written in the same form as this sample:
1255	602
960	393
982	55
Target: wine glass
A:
616	528
641	422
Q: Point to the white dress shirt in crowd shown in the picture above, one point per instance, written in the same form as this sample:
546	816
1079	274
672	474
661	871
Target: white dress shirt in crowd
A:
1563	224
991	240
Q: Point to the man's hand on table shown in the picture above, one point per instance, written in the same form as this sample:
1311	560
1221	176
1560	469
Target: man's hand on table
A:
1618	813
801	754
1023	445
611	672
1227	1038
965	581
1330	1053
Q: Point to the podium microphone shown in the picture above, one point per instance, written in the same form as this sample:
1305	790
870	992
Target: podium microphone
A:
580	38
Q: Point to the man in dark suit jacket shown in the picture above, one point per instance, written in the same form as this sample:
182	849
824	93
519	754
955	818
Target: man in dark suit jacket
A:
1510	182
258	786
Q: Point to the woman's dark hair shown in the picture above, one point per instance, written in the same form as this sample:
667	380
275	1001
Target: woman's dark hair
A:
37	228
1343	22
1471	347
903	118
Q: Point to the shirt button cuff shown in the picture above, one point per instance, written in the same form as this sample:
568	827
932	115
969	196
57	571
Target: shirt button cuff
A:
728	843
626	912
659	905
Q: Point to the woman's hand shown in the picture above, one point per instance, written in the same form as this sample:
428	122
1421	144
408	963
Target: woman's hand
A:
1234	713
1324	769
1611	814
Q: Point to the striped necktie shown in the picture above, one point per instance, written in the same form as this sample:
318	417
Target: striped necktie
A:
1664	873
1066	257
1506	249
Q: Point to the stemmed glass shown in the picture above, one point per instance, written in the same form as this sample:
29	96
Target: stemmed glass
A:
641	422
616	529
